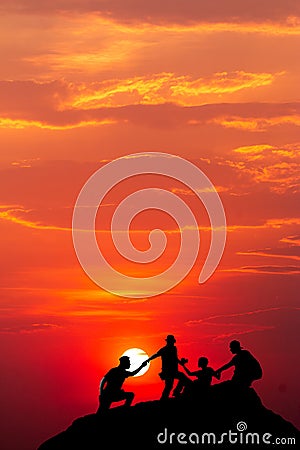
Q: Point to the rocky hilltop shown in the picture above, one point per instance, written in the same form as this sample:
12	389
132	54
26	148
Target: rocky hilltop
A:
225	418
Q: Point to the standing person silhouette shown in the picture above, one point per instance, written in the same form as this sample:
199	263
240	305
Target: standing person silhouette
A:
247	368
111	384
170	372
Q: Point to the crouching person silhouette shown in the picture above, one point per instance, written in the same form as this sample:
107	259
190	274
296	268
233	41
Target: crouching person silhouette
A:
204	376
111	384
170	372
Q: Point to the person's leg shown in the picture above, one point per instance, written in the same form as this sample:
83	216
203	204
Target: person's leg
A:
122	395
105	402
183	381
167	389
129	396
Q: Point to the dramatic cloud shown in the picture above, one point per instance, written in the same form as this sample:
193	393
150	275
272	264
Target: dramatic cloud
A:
62	105
274	167
167	87
155	89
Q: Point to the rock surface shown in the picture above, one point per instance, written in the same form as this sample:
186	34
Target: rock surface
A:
183	423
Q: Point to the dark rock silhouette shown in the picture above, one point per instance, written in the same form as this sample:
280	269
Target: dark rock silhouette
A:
149	425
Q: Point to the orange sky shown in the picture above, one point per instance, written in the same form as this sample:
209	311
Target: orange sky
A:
85	82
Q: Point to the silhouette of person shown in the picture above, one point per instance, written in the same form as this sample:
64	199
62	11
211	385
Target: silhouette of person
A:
204	376
170	372
247	368
111	384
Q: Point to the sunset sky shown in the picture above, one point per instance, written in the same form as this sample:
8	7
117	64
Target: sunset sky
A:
83	82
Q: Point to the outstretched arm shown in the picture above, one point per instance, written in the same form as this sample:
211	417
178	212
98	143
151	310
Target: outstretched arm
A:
225	367
156	355
134	372
188	371
182	361
216	374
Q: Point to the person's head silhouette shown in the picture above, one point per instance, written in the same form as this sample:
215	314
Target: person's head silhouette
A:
235	346
170	339
202	362
124	362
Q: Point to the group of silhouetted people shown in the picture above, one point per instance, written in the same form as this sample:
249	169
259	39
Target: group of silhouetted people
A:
246	370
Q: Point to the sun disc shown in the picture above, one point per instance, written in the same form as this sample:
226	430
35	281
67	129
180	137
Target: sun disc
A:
137	356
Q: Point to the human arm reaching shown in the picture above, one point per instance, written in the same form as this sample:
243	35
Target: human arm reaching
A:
225	367
188	371
216	374
134	372
182	361
155	355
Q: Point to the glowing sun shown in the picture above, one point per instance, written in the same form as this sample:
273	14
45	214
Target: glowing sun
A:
137	356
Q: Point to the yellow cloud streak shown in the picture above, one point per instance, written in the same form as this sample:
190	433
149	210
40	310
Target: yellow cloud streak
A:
290	151
167	87
284	172
92	23
9	216
206	190
272	223
137	90
257	124
292	240
281	176
23	123
275	29
223	83
278	223
250	149
269	255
